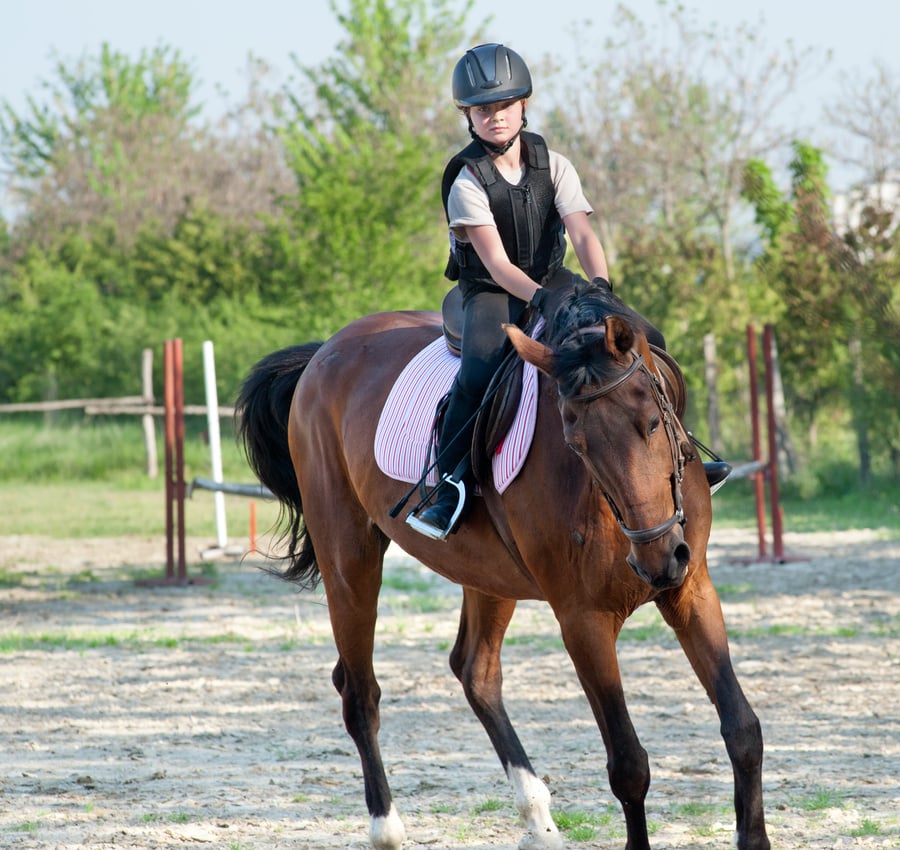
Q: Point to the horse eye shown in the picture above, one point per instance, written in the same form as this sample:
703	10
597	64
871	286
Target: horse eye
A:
653	426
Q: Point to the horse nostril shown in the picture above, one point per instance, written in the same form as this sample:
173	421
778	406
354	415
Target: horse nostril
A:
682	554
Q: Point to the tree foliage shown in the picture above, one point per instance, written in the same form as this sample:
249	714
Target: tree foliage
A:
115	144
837	322
138	218
367	153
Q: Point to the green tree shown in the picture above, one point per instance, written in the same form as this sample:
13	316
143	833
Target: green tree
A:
663	119
116	144
837	330
98	147
56	332
367	153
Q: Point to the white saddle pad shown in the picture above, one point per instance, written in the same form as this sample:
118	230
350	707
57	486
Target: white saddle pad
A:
404	429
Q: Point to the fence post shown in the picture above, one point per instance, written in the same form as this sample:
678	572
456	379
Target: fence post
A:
147	419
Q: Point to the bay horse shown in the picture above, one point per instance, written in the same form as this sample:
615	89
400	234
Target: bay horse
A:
610	510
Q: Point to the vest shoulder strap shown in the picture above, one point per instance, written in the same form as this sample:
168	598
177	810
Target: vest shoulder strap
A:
469	155
537	156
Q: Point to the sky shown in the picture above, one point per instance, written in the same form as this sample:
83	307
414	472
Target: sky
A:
216	37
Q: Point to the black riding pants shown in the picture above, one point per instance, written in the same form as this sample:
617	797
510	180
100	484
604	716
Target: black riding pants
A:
483	347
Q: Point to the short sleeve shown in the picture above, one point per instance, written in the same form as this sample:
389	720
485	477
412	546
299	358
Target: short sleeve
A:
467	204
567	185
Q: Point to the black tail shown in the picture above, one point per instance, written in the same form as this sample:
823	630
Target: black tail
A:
262	408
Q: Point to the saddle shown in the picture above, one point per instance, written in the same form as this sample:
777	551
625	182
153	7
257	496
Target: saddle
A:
404	438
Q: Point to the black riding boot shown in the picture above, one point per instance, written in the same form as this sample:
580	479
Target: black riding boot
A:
717	472
441	516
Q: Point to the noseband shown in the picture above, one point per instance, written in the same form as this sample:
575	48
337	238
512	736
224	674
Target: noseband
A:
647	535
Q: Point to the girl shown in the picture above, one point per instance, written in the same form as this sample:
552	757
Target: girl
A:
509	201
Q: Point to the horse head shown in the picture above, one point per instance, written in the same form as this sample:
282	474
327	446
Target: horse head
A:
617	418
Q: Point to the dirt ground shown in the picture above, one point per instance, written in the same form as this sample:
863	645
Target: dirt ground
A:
138	717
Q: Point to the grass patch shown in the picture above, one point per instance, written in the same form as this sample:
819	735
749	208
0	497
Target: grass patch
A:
734	591
581	826
825	505
9	578
821	798
166	817
27	827
11	643
492	804
889	629
96	509
867	827
75	476
442	809
127	641
71	447
695	809
538	643
791	630
407	581
423	603
646	624
645	632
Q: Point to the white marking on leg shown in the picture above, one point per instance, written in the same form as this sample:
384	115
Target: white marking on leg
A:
387	833
533	803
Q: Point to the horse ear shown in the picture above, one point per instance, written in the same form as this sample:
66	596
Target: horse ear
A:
619	335
530	350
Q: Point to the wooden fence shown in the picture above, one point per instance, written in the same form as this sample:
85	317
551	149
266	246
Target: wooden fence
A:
140	405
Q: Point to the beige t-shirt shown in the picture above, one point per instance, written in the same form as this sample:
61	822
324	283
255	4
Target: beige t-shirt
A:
468	205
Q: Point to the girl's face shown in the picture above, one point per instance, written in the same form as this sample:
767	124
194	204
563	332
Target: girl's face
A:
498	122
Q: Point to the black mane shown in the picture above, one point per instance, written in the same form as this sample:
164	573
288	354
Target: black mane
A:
581	358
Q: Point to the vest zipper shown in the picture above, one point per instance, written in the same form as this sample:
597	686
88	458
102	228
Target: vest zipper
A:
526	251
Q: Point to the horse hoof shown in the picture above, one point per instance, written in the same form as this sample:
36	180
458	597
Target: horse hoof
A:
387	833
549	840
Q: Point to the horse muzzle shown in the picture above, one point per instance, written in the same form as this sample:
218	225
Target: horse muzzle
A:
662	564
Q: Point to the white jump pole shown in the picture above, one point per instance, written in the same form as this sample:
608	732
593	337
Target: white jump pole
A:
215	440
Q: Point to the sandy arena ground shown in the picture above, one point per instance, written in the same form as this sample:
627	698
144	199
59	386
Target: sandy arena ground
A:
137	717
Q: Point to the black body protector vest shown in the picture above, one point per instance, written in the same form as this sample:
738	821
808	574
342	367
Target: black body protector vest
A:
527	219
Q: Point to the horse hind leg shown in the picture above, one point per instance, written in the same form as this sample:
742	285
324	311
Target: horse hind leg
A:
351	571
360	696
475	660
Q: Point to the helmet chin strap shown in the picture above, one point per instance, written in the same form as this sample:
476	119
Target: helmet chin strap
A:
490	146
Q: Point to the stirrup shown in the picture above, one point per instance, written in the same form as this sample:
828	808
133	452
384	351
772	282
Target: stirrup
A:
436	532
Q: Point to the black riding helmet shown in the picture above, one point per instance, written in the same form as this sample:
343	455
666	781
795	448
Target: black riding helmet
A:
490	73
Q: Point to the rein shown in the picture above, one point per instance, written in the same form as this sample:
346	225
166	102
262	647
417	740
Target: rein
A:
647	535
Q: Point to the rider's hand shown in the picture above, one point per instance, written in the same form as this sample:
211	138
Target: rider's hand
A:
602	281
539	300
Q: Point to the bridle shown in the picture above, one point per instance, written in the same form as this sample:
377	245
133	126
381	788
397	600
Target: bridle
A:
670	423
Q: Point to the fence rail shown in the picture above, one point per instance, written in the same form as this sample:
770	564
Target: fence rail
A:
125	406
72	404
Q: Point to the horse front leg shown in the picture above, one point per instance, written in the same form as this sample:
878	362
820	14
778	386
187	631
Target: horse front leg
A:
694	612
590	640
475	660
352	583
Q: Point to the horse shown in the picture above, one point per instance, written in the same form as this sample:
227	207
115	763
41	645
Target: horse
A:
611	510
